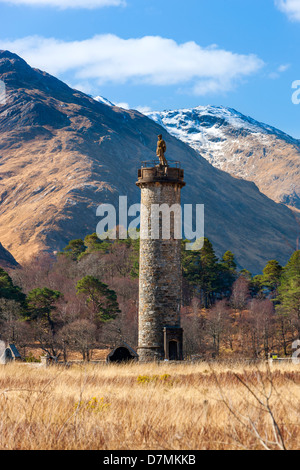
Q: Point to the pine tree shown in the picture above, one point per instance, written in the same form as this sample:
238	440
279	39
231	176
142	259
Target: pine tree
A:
201	269
74	248
227	273
41	304
271	276
99	298
8	290
289	291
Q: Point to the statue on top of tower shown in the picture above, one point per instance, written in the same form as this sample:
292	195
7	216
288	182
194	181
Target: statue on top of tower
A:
160	151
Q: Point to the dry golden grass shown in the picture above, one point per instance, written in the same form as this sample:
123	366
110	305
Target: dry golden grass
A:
148	406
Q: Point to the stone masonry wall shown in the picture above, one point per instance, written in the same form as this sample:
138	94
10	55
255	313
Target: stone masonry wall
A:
160	274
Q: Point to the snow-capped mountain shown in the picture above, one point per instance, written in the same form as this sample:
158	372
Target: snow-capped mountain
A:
240	146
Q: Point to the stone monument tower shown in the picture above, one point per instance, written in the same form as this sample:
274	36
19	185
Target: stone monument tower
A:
160	334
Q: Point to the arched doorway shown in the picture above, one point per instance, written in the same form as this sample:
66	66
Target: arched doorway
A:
122	354
8	355
173	351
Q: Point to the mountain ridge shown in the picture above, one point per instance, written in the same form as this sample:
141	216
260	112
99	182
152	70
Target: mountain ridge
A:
241	146
6	259
62	154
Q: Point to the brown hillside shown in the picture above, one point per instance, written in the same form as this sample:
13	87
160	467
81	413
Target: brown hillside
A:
6	259
63	153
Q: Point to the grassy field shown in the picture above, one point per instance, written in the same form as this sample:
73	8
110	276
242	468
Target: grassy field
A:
149	406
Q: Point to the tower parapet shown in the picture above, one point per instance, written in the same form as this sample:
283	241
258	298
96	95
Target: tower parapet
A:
150	173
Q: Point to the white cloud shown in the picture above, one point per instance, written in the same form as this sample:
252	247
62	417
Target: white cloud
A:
281	69
63	4
290	7
144	109
149	60
212	86
123	105
141	109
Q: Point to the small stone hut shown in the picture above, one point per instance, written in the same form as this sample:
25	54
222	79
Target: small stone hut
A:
8	353
122	353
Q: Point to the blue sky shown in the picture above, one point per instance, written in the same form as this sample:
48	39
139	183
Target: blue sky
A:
166	54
